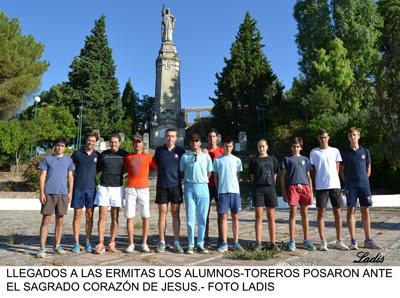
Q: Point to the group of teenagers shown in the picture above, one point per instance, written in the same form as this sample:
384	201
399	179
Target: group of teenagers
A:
211	173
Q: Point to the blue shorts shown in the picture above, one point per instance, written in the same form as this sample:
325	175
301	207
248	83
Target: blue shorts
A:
358	192
228	201
83	197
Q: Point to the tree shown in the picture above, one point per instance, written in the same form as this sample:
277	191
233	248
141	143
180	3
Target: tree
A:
357	23
20	66
129	100
245	85
314	30
145	108
92	83
387	118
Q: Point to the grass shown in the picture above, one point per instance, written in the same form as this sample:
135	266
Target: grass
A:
262	254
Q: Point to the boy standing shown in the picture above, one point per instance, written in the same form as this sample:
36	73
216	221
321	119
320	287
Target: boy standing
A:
55	196
214	151
85	161
297	189
169	188
226	169
111	191
325	161
138	166
355	171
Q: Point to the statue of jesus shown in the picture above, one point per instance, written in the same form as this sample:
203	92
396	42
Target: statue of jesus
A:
167	25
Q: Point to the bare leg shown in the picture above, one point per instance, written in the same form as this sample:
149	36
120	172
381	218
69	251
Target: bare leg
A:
321	222
89	223
292	222
224	228
58	229
366	222
338	223
162	216
129	229
44	229
304	220
114	223
235	226
259	216
103	210
271	224
145	230
176	220
76	223
351	222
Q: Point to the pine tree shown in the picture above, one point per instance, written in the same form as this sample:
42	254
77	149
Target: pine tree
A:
246	84
20	66
129	100
92	83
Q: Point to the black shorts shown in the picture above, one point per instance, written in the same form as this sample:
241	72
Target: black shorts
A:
334	194
169	195
265	196
213	193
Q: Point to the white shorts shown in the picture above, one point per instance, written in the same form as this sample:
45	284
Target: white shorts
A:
142	196
109	196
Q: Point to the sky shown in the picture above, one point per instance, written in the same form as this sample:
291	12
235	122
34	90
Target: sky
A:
204	32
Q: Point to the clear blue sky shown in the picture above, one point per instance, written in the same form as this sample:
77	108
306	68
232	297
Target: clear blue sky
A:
203	34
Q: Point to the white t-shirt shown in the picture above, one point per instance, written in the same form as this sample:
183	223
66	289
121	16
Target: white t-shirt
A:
324	163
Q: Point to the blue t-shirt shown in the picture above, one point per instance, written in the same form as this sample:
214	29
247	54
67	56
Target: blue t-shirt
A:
296	168
85	168
355	166
168	166
227	167
195	167
57	173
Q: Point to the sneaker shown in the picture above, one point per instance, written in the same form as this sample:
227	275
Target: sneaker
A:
258	248
99	249
145	248
323	246
223	247
130	249
160	247
292	245
354	244
308	245
177	247
275	246
189	250
237	246
76	249
58	250
340	245
41	253
370	243
202	250
88	247
112	248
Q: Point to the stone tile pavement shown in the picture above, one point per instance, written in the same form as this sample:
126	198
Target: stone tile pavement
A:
19	242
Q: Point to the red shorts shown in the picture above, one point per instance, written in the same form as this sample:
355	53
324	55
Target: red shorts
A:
299	194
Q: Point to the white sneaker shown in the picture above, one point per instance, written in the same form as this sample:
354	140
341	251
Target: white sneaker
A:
130	249
323	246
340	245
145	248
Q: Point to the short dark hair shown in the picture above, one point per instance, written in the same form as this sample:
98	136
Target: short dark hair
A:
116	136
261	140
195	135
170	129
60	140
212	130
297	140
322	131
92	134
227	140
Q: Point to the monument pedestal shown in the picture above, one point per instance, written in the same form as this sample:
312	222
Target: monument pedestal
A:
167	110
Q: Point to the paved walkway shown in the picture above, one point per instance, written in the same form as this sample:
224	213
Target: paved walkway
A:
19	242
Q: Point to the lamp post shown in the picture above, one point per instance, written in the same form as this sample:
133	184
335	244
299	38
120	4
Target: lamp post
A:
80	122
37	100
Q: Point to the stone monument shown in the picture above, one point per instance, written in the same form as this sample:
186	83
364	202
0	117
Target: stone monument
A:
167	107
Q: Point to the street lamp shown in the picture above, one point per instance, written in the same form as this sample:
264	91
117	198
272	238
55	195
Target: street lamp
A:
37	100
80	122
